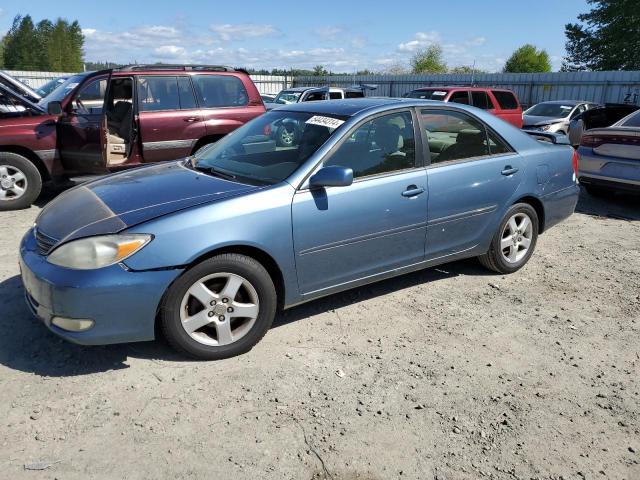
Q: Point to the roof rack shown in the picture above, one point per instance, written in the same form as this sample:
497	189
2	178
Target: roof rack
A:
181	67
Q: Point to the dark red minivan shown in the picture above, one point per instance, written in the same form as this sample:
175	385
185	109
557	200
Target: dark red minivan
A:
99	122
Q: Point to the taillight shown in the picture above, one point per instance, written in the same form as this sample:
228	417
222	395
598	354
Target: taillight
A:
576	159
589	141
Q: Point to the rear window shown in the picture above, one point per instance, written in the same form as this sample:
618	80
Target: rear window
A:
353	94
216	91
335	95
506	100
633	120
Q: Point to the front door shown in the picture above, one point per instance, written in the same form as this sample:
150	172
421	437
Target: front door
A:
170	122
81	128
377	224
473	173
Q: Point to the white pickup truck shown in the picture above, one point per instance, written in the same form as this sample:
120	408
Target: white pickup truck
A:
310	94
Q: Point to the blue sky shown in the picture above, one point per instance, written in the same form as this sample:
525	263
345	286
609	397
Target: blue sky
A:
341	35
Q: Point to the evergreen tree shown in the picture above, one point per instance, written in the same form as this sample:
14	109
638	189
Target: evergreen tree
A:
21	45
607	37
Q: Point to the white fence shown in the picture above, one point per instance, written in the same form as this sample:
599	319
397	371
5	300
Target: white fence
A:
265	83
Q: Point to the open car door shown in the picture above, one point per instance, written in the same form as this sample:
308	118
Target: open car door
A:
82	126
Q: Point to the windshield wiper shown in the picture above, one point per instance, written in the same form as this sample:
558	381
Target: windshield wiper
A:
214	171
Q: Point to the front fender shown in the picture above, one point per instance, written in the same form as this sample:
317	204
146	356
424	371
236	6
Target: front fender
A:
260	220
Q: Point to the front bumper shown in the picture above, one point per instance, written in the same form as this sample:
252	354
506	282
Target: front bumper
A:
122	303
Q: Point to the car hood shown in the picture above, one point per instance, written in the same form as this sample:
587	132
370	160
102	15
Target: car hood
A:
536	121
120	201
22	104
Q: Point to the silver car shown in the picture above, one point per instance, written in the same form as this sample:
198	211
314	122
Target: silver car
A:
610	157
554	116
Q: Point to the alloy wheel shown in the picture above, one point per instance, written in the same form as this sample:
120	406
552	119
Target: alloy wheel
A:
219	309
13	182
516	238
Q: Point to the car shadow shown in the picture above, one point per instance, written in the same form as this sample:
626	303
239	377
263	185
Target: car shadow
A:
27	345
619	206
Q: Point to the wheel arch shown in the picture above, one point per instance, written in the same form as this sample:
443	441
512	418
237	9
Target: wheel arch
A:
538	206
31	156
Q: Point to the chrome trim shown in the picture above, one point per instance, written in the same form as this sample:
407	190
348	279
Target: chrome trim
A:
458	216
167	144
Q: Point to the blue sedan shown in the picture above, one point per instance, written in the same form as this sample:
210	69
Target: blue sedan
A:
210	247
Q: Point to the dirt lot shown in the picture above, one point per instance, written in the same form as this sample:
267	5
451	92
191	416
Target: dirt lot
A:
449	373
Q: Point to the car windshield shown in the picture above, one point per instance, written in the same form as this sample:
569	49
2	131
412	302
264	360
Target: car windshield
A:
556	110
632	121
285	97
50	86
428	94
267	149
62	90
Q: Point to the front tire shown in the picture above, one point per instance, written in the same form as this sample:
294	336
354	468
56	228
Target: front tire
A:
220	308
20	182
514	242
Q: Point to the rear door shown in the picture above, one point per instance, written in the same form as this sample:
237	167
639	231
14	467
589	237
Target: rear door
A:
170	122
470	179
82	128
508	107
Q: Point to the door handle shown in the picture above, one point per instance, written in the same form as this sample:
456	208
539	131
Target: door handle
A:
190	119
412	191
509	170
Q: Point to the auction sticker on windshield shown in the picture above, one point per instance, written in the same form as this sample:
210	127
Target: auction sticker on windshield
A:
325	121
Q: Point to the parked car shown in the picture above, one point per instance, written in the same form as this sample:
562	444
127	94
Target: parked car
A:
209	247
90	125
554	116
610	157
267	97
598	117
19	87
312	94
500	102
50	86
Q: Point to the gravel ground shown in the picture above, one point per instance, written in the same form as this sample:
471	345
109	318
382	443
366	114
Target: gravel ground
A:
449	373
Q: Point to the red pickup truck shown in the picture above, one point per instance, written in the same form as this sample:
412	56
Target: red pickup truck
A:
99	122
501	102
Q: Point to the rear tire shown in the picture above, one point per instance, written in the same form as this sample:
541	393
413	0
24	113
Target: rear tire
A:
20	182
514	242
220	308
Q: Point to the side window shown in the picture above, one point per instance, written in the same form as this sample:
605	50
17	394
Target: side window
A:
158	93
506	100
314	97
335	96
215	91
578	111
187	100
496	145
354	95
90	98
460	97
385	144
481	100
454	136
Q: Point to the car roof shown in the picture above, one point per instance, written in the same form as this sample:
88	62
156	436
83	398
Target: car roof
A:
460	87
353	106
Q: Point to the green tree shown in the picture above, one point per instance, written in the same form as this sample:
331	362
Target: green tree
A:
319	70
606	38
528	59
466	69
21	45
429	60
2	52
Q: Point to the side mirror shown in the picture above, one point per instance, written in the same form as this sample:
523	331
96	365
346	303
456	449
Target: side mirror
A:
54	108
333	176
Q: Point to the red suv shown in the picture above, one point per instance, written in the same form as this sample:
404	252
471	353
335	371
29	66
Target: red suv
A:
99	122
501	102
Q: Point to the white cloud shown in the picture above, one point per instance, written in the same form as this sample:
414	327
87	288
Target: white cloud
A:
241	31
420	40
329	32
169	51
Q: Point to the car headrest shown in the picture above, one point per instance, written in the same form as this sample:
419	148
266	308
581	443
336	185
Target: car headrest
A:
468	137
388	138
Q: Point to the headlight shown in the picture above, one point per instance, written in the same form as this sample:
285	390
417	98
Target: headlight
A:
544	128
97	252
